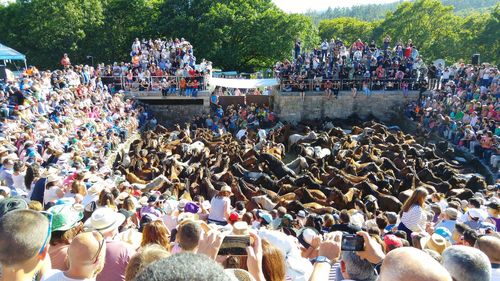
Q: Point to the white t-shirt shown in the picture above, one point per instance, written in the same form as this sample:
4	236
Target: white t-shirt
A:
57	275
50	195
218	205
240	134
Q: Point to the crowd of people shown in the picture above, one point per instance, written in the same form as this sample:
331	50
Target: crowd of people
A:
463	108
169	66
67	214
340	65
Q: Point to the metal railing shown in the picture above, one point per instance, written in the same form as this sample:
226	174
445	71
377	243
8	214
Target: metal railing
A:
154	83
373	84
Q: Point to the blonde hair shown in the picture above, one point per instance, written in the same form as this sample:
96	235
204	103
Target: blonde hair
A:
141	259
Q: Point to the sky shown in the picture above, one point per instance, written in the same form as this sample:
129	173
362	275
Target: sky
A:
300	6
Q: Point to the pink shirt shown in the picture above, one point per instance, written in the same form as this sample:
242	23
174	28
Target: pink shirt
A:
118	255
58	256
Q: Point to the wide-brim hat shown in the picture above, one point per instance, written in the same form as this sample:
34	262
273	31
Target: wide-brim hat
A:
226	188
104	220
64	217
306	235
435	242
52	178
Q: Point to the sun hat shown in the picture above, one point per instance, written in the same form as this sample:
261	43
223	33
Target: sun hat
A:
265	216
435	242
306	235
52	178
443	231
64	217
301	214
226	188
452	213
104	220
11	204
182	204
476	213
238	274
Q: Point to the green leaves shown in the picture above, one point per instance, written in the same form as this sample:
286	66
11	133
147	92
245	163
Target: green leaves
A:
434	28
238	34
348	29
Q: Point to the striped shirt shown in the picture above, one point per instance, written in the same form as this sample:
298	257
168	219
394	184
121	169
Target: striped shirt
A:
415	219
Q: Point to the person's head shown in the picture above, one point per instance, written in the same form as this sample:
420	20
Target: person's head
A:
189	235
490	246
474	203
155	232
344	217
451	214
225	191
66	224
470	237
411	264
183	267
141	259
273	262
24	235
355	268
417	198
86	254
466	264
494	209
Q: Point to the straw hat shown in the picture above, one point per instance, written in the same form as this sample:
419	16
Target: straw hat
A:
104	220
435	242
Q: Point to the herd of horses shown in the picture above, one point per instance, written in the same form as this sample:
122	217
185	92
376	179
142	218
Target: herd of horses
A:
319	170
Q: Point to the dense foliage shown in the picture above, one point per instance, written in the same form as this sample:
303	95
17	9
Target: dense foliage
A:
373	12
433	27
235	34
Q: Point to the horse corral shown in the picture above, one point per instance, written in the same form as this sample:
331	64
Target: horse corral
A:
330	169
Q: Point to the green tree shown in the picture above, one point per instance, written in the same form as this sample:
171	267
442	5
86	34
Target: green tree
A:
45	29
238	34
347	29
124	20
431	26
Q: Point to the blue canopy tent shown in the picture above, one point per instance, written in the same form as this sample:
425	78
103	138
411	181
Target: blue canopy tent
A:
8	54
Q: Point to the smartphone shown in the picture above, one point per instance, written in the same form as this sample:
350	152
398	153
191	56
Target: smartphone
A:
352	243
234	245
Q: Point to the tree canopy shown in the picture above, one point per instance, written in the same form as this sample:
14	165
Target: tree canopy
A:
234	34
434	28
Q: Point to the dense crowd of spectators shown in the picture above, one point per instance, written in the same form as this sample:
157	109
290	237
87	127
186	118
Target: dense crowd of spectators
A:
166	65
64	215
463	107
394	65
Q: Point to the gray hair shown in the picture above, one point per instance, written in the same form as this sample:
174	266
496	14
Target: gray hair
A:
467	264
357	268
183	267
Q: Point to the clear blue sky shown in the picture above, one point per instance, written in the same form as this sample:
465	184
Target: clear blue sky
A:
300	6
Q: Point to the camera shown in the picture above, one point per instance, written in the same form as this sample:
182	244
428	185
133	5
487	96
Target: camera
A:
352	243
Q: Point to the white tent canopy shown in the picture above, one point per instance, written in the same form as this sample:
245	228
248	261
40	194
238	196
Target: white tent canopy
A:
243	83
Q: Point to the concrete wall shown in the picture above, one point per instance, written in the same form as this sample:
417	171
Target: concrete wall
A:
383	105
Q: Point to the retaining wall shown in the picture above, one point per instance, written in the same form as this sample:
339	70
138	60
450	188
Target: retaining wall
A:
383	105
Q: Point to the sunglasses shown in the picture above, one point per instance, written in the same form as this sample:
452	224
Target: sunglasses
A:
49	231
101	245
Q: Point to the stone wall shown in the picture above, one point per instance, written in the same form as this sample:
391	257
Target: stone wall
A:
383	105
173	111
